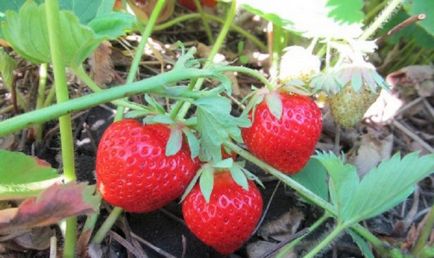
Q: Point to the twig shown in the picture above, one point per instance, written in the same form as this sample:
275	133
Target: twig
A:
184	246
153	247
413	136
266	208
400	26
125	244
408	106
337	145
428	107
172	216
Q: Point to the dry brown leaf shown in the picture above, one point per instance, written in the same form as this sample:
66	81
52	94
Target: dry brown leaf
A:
52	205
419	76
101	64
280	228
36	239
371	152
385	108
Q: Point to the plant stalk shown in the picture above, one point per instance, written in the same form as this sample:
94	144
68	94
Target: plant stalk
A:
306	193
290	246
424	235
107	225
140	49
181	108
326	241
382	18
62	95
82	75
48	113
205	21
233	27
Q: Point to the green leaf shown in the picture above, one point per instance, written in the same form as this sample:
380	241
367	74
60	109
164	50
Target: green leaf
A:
416	7
23	176
314	177
274	104
78	41
226	163
84	9
105	7
206	182
343	180
174	143
31	42
239	177
362	244
335	19
112	25
7	67
387	185
216	125
346	11
193	143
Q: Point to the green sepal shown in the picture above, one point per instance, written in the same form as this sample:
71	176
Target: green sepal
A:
193	142
191	184
206	182
159	119
239	177
274	104
174	143
154	104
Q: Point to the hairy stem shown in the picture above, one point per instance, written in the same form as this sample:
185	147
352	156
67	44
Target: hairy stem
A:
306	193
140	49
382	18
204	20
66	138
326	241
181	108
426	232
233	27
82	75
289	247
107	225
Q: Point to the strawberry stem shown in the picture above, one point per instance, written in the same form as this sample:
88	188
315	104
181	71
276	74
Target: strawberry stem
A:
180	109
284	251
205	21
326	241
233	27
107	225
139	50
62	95
306	193
82	75
384	16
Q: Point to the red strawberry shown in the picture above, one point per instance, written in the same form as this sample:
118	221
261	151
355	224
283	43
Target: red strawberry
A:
230	217
287	143
132	170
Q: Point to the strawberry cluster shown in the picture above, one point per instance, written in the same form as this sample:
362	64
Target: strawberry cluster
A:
135	172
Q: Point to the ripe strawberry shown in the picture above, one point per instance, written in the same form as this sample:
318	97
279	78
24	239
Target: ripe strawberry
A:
132	170
287	143
349	106
230	217
190	4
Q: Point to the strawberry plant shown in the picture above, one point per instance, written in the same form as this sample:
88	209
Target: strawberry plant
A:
183	134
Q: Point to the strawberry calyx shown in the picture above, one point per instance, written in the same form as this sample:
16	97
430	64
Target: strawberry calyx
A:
205	175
